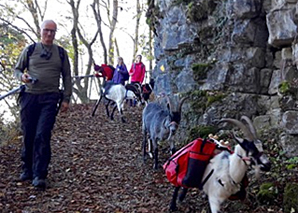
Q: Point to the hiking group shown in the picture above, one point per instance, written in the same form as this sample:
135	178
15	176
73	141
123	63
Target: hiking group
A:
40	66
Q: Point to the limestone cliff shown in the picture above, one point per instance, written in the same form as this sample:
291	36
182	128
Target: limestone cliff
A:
232	57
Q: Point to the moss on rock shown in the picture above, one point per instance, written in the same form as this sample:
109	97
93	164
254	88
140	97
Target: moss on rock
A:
213	97
200	132
290	201
200	71
267	193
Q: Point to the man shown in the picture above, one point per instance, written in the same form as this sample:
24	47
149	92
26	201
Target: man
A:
39	101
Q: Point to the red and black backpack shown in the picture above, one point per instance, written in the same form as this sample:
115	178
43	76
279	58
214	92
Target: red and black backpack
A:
186	167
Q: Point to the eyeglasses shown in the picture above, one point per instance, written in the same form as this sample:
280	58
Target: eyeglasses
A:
49	30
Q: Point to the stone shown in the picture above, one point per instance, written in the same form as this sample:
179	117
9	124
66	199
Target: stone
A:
281	27
290	122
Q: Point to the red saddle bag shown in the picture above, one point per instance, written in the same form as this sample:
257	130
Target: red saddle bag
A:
186	167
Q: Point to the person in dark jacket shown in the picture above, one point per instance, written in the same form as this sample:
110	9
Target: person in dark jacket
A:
120	74
39	101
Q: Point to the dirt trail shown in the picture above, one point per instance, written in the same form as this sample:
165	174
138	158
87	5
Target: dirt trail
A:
96	166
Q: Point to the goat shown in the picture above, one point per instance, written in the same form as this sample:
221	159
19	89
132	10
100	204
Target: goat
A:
226	170
117	93
161	124
147	90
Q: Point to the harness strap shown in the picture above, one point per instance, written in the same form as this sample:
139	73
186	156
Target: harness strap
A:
206	179
244	159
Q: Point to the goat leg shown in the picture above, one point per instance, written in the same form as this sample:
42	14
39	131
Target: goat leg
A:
122	117
172	147
144	146
155	158
173	206
182	194
96	105
107	109
150	148
112	114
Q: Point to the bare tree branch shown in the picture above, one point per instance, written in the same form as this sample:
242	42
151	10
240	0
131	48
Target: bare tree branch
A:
17	28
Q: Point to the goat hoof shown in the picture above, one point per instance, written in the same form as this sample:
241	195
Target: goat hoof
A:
150	155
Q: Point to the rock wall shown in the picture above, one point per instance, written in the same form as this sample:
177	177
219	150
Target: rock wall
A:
231	57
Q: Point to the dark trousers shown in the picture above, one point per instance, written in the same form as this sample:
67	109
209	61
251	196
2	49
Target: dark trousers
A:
38	115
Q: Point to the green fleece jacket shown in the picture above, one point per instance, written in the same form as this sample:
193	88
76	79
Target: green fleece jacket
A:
48	72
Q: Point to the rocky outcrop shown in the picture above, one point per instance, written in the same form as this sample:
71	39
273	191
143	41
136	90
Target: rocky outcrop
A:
244	49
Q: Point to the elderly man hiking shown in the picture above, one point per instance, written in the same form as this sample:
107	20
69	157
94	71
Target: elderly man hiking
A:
45	62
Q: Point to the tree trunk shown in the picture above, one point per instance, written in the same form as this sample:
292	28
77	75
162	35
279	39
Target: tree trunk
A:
136	39
112	29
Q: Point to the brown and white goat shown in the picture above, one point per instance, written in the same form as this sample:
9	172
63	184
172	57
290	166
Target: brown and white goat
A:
227	169
161	124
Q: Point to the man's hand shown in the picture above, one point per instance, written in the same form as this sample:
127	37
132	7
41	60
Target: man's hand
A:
26	78
64	106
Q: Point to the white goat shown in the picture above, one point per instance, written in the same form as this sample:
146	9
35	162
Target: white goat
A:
117	93
227	169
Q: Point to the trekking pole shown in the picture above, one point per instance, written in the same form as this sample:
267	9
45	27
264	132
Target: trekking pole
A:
13	91
20	88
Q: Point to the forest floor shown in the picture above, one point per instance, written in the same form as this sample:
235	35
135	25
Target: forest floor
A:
97	166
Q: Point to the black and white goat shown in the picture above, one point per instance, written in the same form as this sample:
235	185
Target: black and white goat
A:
117	93
147	89
228	169
161	124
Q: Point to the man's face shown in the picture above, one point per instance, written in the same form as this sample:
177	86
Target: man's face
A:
48	32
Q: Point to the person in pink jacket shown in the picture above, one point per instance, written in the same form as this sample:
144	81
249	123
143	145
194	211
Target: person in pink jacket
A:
137	72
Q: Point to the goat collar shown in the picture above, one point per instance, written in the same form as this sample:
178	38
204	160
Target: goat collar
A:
244	159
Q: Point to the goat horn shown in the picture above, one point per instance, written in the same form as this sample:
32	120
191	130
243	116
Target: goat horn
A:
181	102
239	124
237	138
250	125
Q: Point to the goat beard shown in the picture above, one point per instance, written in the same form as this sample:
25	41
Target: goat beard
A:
170	135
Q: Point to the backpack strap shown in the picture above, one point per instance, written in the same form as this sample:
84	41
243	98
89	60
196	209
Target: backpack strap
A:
29	53
61	54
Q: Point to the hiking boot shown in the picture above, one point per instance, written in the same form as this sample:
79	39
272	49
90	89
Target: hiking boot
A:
39	182
26	176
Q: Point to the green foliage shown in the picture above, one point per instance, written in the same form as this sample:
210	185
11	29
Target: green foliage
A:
290	198
267	193
11	45
200	71
284	87
198	100
214	97
200	132
196	12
